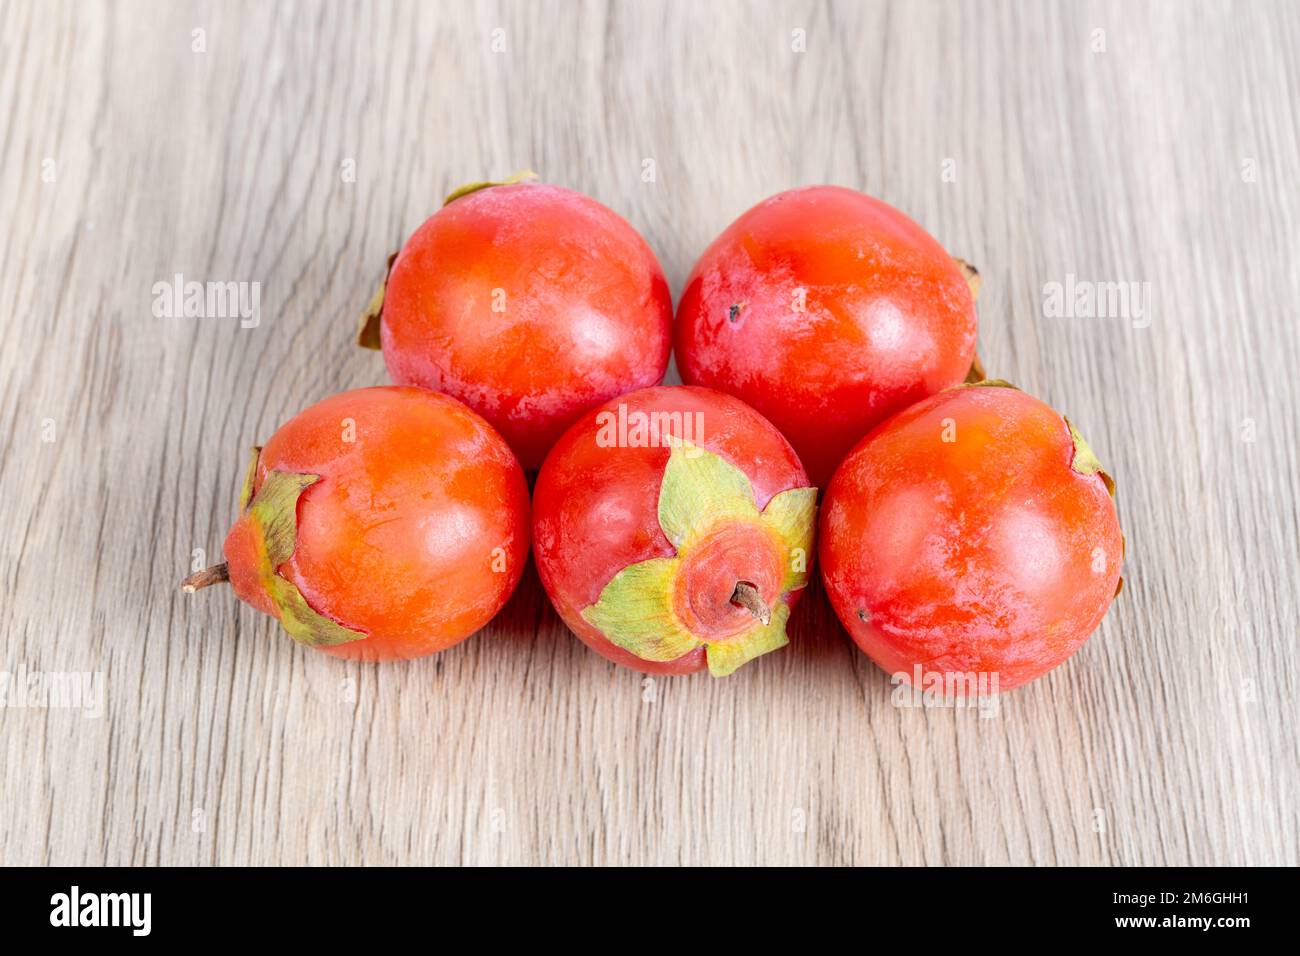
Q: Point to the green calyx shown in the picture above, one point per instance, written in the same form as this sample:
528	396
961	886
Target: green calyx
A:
273	516
250	477
701	492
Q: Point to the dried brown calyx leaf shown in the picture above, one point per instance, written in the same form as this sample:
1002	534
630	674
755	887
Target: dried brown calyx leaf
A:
989	383
976	373
972	276
368	331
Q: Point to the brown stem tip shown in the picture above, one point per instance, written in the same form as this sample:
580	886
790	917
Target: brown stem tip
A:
747	596
217	574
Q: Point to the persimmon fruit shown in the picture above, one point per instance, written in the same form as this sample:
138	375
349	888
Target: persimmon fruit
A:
827	311
673	530
973	533
378	524
530	303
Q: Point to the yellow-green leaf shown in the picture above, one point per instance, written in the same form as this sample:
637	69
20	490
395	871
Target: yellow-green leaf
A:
274	514
793	516
699	490
519	177
1086	461
250	473
725	656
635	612
302	623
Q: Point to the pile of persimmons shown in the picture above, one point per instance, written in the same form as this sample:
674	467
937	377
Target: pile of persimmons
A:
835	420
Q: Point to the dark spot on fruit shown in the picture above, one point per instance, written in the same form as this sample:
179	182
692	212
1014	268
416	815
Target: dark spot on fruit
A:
863	615
735	311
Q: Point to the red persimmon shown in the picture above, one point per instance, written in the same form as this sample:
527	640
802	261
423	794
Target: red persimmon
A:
973	533
528	302
827	311
380	523
673	529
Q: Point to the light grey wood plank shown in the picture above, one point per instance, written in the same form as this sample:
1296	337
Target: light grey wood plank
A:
222	742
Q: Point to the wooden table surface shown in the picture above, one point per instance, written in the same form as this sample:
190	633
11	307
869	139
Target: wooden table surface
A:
295	145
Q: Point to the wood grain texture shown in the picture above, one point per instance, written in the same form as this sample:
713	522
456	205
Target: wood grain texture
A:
128	157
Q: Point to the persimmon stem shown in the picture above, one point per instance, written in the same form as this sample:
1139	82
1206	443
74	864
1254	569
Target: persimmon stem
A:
746	595
217	574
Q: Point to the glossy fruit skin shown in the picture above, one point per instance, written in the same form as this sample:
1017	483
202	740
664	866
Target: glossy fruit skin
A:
595	508
397	538
988	554
888	318
530	303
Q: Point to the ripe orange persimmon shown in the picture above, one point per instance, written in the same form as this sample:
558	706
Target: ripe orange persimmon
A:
528	302
974	533
673	531
381	523
827	311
